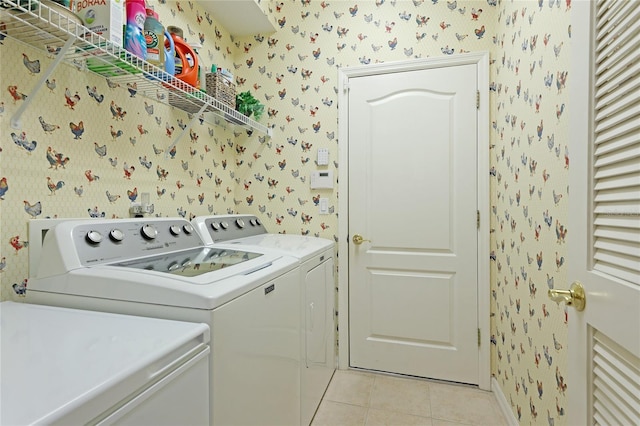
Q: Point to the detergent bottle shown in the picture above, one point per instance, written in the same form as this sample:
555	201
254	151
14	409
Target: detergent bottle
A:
154	38
134	40
186	60
169	54
195	47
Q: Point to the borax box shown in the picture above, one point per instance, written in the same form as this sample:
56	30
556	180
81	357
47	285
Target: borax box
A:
103	17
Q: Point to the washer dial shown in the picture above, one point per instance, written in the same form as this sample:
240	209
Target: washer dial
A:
93	237
116	235
149	232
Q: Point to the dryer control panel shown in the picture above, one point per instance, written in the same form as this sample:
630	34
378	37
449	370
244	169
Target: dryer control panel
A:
231	227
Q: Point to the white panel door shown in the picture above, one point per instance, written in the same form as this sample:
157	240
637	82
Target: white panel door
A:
413	196
604	247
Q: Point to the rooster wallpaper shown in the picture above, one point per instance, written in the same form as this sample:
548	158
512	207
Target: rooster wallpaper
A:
88	147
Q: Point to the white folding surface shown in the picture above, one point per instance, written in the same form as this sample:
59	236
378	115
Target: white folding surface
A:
57	363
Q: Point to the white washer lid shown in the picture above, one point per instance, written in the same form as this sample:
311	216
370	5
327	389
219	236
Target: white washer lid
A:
54	360
298	246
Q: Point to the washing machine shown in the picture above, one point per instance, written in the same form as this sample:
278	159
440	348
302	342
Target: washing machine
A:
71	367
316	258
160	268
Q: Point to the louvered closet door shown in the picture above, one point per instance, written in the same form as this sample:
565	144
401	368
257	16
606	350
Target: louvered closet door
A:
603	383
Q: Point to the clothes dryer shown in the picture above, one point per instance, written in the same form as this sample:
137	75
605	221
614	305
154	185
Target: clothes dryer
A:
160	268
317	284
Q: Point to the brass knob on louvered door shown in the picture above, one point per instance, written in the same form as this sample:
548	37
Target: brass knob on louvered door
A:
357	239
575	296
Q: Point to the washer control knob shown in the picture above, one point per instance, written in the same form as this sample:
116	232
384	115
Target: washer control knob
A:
224	225
240	223
93	237
116	235
253	222
258	222
149	232
173	266
188	229
175	230
186	263
215	226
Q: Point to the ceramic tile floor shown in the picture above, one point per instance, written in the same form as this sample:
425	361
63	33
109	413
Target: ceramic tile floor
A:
364	398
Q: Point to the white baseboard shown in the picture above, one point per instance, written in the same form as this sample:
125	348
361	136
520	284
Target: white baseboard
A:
504	405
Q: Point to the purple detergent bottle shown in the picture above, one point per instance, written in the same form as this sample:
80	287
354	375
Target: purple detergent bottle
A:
134	41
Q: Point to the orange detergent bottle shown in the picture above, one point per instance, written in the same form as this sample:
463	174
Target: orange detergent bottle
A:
186	60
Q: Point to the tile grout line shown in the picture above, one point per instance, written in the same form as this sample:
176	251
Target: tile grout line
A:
373	385
430	404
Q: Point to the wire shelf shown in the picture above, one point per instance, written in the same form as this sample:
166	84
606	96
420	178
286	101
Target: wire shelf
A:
56	30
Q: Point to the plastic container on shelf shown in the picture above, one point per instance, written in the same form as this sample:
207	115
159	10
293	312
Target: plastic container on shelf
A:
169	54
196	46
134	40
186	60
154	38
175	30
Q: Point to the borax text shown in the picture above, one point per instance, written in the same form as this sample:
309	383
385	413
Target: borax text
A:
81	4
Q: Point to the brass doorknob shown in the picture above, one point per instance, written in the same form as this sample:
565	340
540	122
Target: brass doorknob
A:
575	296
357	239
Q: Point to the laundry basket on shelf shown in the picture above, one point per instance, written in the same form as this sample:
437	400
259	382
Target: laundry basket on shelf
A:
221	89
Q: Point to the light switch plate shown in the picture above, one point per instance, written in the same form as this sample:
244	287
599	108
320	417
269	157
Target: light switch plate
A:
324	206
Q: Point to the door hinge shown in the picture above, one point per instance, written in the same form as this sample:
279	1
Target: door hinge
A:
478	219
345	87
477	99
478	337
